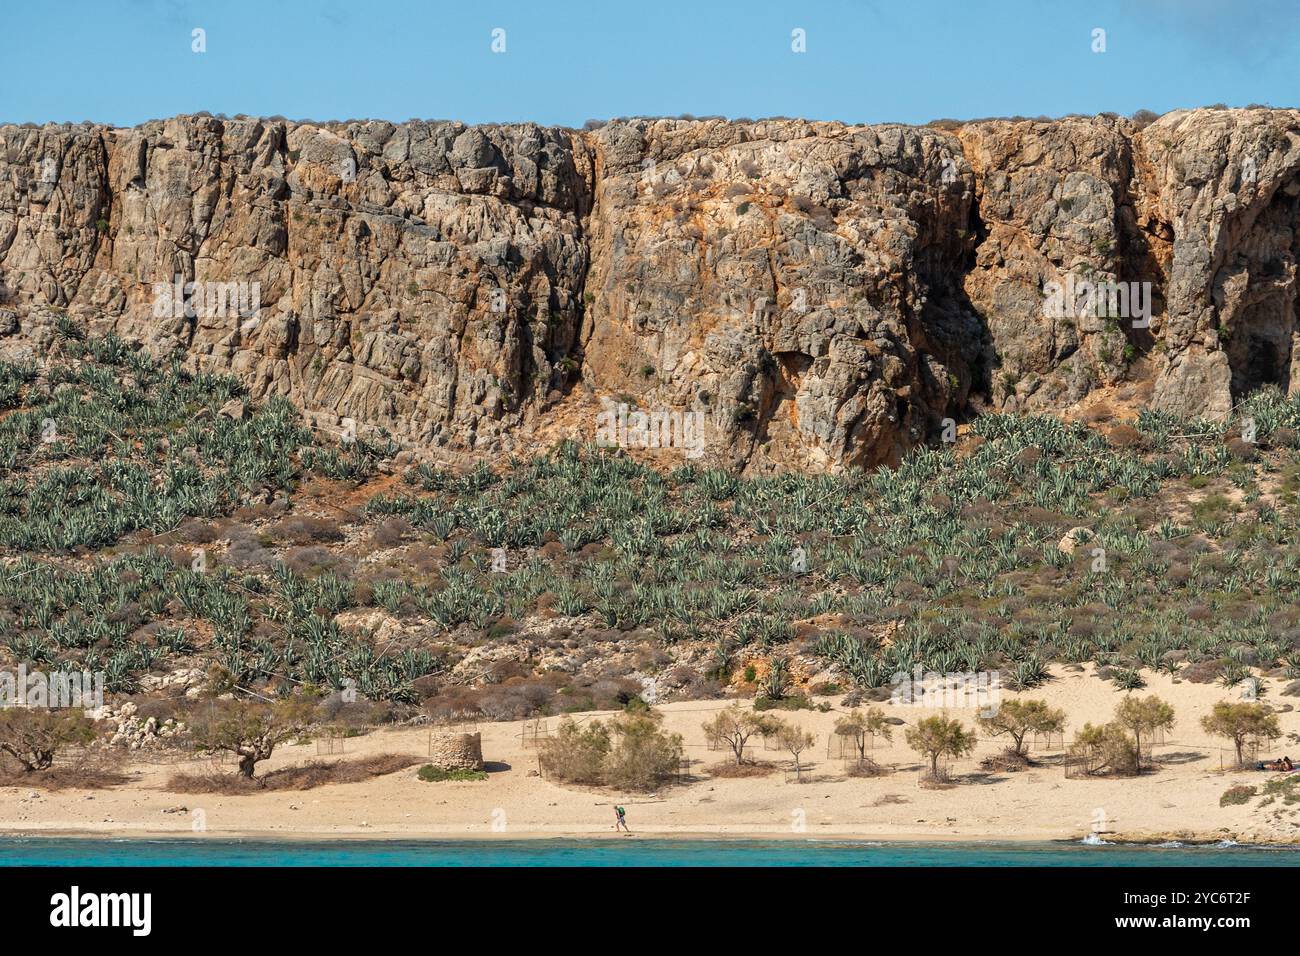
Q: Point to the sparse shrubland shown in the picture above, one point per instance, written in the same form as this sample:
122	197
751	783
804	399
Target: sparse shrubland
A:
147	530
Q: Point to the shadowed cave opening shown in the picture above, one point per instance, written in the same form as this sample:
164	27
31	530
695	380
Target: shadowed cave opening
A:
1259	340
1257	332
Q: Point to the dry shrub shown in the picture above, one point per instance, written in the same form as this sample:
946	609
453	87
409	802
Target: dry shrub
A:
196	531
158	708
65	778
1236	796
938	780
422	560
1008	761
316	773
1124	436
358	715
246	550
307	561
1101	412
759	768
89	769
1202	672
515	699
391	532
1028	457
866	767
1241	450
305	529
628	752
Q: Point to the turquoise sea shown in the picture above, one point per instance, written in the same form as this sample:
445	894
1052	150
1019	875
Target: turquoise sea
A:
633	851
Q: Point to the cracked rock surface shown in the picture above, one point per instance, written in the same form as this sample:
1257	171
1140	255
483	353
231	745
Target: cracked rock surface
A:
824	295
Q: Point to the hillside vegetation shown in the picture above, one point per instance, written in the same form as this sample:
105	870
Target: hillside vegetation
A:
152	519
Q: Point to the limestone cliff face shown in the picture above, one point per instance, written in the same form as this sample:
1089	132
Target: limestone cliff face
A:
824	295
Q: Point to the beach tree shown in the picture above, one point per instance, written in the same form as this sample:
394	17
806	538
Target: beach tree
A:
1240	723
1105	747
34	735
1143	715
796	740
940	736
735	725
576	754
642	757
857	724
250	729
1018	719
629	751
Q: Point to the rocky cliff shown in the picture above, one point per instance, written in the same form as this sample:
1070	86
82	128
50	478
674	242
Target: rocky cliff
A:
824	295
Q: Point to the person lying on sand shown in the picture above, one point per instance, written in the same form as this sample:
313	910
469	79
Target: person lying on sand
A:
1284	765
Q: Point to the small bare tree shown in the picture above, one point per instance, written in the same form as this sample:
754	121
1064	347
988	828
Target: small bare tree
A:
858	725
796	740
34	735
250	730
735	725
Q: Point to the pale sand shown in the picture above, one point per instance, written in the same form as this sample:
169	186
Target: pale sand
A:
1180	800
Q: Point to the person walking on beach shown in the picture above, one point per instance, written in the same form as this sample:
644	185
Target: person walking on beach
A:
620	820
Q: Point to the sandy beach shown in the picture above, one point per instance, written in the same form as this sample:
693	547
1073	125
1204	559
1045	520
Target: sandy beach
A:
1178	799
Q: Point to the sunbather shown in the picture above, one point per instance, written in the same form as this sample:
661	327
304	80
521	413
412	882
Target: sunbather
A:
1284	764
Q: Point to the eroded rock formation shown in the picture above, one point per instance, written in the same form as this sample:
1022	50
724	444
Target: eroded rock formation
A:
824	295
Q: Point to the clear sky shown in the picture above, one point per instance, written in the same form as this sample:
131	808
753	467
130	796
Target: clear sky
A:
566	61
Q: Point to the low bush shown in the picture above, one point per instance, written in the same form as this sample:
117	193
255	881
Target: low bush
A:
629	752
431	774
758	768
1105	749
792	702
1236	796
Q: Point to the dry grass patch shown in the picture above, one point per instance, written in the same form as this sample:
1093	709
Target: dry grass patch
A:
316	773
66	778
759	768
89	770
866	768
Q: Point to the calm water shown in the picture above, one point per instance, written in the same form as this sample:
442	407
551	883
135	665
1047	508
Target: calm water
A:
635	851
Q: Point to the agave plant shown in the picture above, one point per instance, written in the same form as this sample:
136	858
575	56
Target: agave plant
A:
1127	678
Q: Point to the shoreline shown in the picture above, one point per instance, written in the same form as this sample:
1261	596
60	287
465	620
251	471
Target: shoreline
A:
691	836
1180	799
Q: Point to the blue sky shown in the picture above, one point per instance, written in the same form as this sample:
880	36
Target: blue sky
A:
566	61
